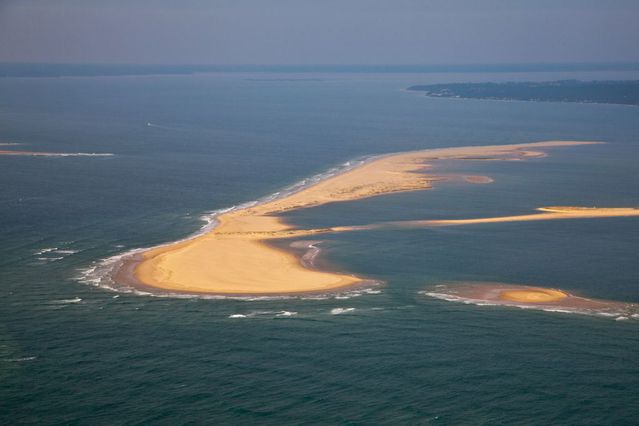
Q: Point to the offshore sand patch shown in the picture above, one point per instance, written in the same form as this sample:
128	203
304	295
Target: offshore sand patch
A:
531	297
53	154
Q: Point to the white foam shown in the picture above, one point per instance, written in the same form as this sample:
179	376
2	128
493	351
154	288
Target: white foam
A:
66	251
47	254
26	358
339	311
271	314
66	154
44	250
79	154
50	259
66	301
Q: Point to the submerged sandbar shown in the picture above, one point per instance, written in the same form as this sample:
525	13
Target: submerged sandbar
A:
233	258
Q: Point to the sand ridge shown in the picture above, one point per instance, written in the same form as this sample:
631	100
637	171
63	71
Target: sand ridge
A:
234	258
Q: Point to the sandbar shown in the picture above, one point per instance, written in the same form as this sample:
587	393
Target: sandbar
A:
478	179
545	213
235	257
531	297
52	154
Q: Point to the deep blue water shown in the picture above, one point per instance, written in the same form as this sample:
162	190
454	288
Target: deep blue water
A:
74	353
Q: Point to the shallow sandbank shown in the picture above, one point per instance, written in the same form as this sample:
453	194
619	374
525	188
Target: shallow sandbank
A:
546	213
531	297
234	258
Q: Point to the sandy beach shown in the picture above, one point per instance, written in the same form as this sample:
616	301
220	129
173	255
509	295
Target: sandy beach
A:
234	258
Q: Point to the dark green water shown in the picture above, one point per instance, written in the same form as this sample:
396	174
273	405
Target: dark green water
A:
74	353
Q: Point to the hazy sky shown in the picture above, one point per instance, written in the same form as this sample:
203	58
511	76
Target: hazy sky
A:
319	31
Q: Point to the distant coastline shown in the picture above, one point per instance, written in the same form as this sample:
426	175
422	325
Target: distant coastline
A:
15	69
623	92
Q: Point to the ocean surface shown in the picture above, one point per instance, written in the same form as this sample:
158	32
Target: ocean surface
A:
72	352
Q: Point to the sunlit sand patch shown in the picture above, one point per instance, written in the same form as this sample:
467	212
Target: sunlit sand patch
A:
530	297
540	295
478	179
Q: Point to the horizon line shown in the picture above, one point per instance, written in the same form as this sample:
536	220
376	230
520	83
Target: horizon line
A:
406	64
92	69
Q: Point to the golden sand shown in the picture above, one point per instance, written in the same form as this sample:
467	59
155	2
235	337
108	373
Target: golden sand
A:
540	295
234	258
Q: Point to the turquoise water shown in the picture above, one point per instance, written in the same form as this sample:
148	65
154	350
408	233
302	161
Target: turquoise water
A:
71	352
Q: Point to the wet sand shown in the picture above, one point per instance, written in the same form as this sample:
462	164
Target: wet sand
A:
234	258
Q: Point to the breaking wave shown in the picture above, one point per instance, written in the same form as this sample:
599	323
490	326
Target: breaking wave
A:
340	311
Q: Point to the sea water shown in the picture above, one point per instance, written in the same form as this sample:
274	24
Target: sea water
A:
185	146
